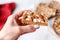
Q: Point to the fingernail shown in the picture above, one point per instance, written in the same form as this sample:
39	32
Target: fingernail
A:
20	18
36	26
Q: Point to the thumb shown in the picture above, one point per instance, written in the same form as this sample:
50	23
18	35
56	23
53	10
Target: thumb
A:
9	20
29	28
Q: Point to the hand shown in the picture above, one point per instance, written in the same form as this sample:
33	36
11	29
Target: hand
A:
11	30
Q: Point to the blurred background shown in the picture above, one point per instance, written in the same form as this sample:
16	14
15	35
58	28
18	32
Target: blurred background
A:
40	34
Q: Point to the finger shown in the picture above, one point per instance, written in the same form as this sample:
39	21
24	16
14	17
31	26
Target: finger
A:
29	28
19	14
12	17
18	17
9	19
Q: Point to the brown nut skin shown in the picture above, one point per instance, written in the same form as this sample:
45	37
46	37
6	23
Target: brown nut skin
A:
18	21
28	18
55	5
45	10
56	25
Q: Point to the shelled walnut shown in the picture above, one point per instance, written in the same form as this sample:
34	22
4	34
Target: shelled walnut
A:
30	17
56	25
55	5
45	11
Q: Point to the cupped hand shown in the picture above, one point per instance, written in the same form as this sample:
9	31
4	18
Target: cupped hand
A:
11	29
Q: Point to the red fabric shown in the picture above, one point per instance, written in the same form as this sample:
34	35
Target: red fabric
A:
5	11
